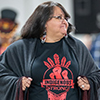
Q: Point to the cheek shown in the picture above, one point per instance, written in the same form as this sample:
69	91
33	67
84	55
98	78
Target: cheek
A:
53	26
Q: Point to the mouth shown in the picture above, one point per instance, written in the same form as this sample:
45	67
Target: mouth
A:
63	26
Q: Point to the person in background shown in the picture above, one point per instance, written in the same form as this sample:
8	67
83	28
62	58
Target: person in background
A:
8	28
47	63
95	52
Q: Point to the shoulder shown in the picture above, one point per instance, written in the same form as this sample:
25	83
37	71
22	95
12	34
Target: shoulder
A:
75	43
77	46
21	44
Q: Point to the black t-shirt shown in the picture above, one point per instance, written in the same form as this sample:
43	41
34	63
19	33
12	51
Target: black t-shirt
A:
54	72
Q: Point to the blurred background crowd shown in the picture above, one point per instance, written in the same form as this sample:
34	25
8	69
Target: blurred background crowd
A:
85	16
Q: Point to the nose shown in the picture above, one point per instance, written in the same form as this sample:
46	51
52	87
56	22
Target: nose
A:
64	20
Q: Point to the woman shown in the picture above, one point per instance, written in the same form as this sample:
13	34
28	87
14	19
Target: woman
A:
48	63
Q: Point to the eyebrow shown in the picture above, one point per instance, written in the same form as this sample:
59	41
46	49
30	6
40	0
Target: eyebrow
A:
60	15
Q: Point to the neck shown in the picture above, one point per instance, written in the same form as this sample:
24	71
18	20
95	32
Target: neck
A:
52	40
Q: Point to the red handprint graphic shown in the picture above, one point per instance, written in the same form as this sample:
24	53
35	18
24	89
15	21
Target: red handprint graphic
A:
58	83
57	73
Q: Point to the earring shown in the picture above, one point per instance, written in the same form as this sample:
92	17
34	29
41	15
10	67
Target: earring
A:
44	37
66	35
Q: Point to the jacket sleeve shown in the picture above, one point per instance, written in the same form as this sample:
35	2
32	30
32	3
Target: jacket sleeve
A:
88	68
8	78
15	63
12	68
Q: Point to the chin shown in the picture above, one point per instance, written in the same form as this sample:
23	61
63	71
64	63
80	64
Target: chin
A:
62	36
64	31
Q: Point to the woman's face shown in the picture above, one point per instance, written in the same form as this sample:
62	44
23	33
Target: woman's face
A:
56	27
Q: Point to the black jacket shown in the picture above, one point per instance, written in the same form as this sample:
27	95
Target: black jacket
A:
17	60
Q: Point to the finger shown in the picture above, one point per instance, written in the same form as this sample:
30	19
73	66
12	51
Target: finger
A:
28	85
80	82
85	87
78	77
30	78
24	78
81	85
26	82
83	80
23	88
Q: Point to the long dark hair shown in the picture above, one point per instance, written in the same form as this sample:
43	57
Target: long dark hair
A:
35	25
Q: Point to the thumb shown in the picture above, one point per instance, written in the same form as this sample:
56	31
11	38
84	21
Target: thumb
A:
30	78
79	77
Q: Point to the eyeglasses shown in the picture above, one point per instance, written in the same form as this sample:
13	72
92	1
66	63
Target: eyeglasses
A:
61	18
